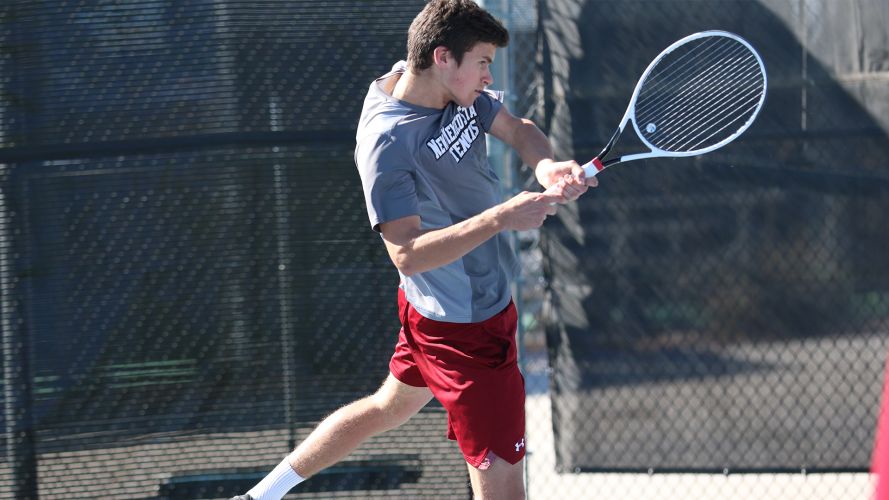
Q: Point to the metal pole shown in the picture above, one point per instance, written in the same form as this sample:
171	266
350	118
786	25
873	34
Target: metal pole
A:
19	429
20	451
282	224
500	157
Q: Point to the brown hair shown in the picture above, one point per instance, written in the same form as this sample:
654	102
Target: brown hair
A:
455	24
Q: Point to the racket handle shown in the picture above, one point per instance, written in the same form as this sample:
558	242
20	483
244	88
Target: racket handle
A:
593	167
590	170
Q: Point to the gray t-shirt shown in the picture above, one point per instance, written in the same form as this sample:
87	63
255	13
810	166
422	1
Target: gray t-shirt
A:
433	163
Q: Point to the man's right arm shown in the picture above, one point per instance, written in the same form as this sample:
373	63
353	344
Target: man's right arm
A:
415	250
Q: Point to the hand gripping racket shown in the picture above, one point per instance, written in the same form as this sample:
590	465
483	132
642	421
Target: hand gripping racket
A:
698	95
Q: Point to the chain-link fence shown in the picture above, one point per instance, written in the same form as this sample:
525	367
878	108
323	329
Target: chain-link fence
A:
188	283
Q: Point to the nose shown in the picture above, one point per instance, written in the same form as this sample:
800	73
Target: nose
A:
487	78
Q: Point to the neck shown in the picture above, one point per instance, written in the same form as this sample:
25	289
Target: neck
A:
420	89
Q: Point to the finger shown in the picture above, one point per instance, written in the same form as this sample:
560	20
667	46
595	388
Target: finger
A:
574	179
578	173
574	190
556	188
554	196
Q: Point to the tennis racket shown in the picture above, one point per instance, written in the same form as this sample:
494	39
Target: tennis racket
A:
698	95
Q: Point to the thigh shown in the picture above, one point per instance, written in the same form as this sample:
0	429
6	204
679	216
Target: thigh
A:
502	480
400	399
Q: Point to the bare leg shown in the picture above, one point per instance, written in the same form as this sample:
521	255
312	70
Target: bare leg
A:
502	480
345	429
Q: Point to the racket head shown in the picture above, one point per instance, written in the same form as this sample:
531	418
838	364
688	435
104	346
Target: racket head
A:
698	94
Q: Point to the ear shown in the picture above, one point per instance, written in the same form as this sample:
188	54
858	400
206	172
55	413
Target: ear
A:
441	56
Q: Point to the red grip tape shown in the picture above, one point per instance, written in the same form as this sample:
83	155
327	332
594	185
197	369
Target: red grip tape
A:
598	164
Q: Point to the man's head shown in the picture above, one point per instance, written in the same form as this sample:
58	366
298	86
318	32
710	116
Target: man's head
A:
457	25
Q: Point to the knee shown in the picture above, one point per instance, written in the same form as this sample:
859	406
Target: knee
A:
395	402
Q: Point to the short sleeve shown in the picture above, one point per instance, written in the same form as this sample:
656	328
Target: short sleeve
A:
487	105
387	176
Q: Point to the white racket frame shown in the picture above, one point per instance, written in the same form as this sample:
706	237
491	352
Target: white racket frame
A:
594	166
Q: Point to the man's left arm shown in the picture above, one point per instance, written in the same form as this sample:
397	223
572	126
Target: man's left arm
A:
535	150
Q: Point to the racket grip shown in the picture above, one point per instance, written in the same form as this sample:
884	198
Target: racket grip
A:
593	167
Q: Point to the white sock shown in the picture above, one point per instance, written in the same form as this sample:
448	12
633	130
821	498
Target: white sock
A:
275	485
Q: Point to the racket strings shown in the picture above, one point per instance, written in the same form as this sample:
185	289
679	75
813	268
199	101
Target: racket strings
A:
701	96
692	132
671	72
679	85
692	82
700	132
705	90
712	103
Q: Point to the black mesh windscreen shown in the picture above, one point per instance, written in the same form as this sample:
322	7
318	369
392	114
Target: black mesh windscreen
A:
727	312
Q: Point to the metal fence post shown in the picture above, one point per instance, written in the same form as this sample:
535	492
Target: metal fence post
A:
19	429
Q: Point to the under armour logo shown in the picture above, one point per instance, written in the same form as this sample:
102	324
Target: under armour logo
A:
520	444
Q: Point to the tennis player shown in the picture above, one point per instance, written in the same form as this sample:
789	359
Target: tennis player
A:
435	200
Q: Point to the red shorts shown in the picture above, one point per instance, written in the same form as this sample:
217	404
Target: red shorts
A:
471	368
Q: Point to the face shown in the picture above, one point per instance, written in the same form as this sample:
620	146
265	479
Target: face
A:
467	80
